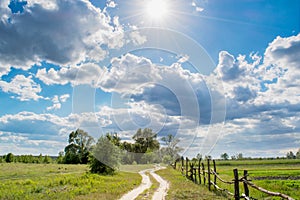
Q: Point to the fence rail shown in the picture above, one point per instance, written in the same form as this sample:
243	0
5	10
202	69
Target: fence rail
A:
196	172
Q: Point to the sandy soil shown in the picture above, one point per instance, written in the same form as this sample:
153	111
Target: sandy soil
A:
159	194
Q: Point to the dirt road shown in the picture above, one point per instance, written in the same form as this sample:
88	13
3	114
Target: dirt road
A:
159	194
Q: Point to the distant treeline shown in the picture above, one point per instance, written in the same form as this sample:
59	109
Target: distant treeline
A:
9	158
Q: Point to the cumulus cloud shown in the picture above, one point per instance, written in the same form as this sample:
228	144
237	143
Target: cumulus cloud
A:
111	4
281	62
50	124
61	32
63	98
24	87
87	73
127	74
56	104
56	100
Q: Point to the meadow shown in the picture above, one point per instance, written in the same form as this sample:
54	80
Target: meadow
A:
58	181
277	175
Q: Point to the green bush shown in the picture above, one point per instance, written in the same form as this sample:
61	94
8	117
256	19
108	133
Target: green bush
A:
105	158
9	158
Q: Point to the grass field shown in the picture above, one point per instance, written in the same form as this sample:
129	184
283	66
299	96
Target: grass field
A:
274	175
182	188
53	181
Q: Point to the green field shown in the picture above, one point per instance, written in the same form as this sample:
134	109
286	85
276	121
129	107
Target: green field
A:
181	188
57	181
274	175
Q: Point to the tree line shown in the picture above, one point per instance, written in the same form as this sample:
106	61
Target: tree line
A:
10	157
105	155
239	156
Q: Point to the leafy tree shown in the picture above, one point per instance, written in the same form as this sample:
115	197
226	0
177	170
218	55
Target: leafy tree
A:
60	158
9	158
47	159
290	155
145	140
40	159
78	149
298	154
225	156
240	156
105	157
114	139
171	152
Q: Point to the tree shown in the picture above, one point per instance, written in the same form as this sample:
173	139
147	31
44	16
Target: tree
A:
171	152
240	156
60	158
78	149
290	155
105	157
114	139
298	154
145	140
225	156
9	158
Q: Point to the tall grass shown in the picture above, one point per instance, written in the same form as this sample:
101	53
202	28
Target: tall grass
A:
37	181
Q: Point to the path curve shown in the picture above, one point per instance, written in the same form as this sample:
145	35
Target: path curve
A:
159	194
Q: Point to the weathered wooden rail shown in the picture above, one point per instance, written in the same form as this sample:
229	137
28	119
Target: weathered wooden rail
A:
196	172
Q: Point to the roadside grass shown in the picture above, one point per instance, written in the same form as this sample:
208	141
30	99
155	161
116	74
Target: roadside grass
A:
182	188
53	181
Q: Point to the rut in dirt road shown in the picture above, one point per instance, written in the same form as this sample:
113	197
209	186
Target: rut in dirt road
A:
159	194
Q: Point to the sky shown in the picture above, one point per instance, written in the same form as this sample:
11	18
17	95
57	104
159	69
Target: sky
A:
221	76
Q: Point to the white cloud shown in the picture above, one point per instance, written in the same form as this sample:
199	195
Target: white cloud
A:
87	73
282	61
50	124
111	4
197	8
137	38
128	74
24	87
63	98
56	104
61	32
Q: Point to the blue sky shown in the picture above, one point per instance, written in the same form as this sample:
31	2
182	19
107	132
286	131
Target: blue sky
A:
221	76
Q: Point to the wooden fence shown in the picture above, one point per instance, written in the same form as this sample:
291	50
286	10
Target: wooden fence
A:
196	172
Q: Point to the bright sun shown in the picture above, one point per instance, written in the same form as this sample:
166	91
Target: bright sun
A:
157	9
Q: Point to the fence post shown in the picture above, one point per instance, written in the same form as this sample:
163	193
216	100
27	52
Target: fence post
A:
208	173
191	171
215	177
187	167
195	174
236	184
182	164
175	164
203	171
199	171
246	189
